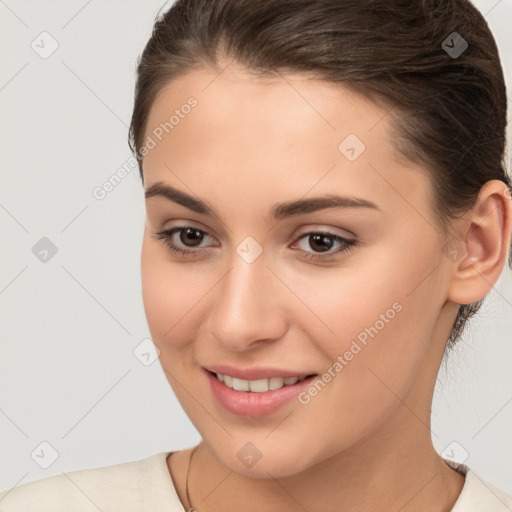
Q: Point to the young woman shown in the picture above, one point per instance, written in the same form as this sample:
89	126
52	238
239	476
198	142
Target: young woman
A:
326	207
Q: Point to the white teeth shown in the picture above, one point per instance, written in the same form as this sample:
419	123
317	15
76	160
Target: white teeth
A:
260	385
276	383
240	385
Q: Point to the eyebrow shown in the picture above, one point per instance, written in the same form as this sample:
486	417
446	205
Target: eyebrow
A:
279	211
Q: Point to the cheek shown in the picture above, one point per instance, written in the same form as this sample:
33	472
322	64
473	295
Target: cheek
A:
381	317
176	298
167	295
388	300
368	303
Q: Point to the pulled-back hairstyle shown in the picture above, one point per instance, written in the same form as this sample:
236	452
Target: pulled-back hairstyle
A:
448	111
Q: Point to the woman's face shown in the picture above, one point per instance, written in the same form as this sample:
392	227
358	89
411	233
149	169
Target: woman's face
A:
268	288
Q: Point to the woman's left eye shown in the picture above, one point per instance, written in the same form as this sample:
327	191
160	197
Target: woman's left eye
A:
322	241
325	241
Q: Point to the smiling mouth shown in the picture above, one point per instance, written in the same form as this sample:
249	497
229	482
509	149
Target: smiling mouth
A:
259	385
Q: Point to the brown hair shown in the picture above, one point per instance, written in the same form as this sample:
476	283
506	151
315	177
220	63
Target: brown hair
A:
448	110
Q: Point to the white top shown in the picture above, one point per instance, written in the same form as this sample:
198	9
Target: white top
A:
146	485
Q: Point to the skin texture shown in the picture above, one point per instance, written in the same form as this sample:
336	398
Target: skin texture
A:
364	441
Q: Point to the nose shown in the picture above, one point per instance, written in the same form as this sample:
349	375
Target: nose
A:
247	311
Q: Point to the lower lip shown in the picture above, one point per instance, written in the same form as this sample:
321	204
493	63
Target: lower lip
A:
252	404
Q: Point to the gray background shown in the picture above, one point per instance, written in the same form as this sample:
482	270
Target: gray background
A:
69	326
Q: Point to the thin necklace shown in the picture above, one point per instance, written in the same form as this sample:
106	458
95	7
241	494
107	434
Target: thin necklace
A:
191	508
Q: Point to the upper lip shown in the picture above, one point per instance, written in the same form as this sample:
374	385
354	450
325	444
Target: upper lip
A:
255	373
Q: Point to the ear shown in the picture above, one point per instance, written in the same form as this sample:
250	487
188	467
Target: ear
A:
486	232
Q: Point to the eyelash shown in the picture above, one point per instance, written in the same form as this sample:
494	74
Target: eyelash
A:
166	237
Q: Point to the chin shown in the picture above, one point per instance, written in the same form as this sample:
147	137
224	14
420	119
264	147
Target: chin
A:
269	462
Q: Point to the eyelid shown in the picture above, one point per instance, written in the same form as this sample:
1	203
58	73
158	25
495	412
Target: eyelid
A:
328	230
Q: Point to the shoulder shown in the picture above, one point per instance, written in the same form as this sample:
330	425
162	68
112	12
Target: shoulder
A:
478	495
102	488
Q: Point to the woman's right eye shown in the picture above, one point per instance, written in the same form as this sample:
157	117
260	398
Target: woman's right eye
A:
187	234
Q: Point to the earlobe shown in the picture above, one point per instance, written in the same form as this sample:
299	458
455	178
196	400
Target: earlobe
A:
486	233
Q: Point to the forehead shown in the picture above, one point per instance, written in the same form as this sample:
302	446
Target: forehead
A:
289	131
286	104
